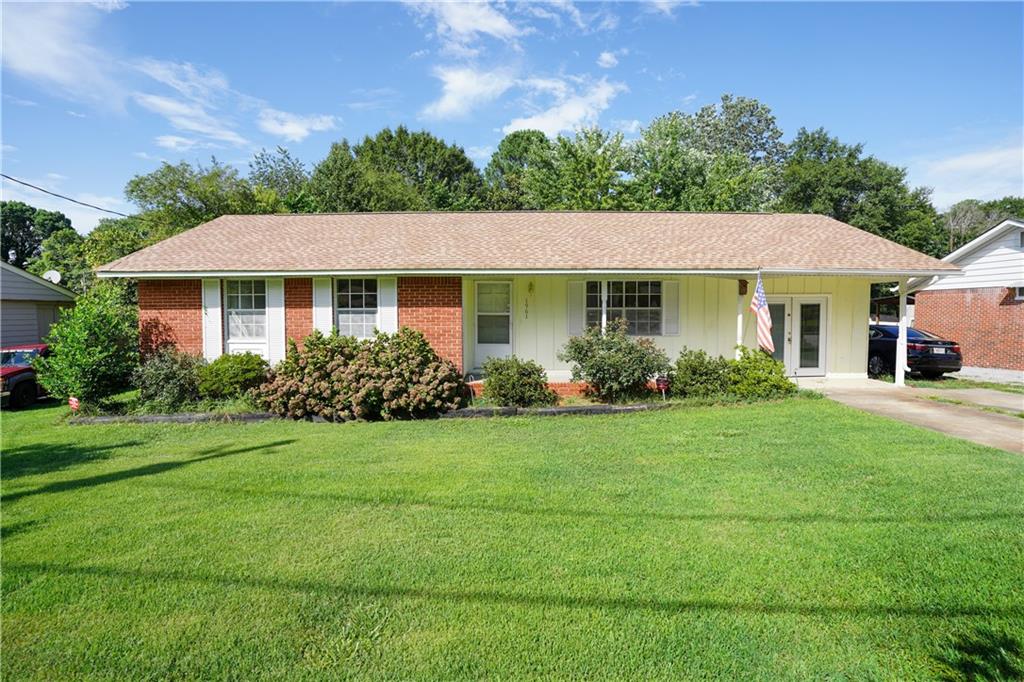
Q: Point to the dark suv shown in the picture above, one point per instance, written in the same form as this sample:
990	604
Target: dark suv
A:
927	354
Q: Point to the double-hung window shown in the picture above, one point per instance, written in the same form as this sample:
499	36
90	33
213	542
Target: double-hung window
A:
639	302
357	307
246	304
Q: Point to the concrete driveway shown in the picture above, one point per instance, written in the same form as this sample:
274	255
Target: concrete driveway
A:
917	406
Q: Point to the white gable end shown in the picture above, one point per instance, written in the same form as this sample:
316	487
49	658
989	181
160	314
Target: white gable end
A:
997	263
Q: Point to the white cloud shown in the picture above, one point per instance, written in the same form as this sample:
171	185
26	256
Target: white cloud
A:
373	98
21	102
176	142
76	114
50	44
667	7
989	173
465	88
190	117
607	60
459	25
571	111
187	79
56	177
8	148
293	127
481	154
628	126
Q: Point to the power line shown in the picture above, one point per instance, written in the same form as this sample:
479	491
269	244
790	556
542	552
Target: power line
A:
65	198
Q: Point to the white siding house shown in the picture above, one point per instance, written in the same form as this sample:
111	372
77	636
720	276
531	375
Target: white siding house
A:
28	306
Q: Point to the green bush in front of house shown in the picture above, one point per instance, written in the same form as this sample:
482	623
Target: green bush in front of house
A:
514	382
340	378
168	380
615	366
232	375
758	376
93	347
699	375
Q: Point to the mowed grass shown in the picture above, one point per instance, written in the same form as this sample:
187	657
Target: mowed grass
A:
791	540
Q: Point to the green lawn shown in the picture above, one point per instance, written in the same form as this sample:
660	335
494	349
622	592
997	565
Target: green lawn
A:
791	540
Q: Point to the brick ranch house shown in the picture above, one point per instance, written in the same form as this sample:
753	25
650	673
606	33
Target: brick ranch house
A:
486	284
982	306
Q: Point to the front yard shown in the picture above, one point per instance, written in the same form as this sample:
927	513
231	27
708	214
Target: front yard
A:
798	539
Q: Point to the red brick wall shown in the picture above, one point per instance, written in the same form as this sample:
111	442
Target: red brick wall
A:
987	323
433	305
298	308
171	313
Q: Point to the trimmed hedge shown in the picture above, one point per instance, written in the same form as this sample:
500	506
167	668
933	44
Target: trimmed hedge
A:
615	366
514	382
232	376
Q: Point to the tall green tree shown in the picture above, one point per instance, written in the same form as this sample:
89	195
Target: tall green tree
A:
23	229
396	170
285	175
669	173
63	252
965	220
583	172
823	175
177	197
506	171
738	125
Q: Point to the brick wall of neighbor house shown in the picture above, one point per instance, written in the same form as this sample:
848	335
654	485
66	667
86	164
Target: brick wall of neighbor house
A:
987	323
298	308
433	305
171	313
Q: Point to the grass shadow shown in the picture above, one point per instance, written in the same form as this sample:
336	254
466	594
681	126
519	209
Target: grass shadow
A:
671	606
136	472
47	458
982	655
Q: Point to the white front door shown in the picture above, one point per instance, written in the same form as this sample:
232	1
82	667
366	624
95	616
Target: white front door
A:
799	328
493	321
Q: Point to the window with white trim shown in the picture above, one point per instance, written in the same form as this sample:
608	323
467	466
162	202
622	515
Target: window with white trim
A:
356	301
1019	293
637	301
246	304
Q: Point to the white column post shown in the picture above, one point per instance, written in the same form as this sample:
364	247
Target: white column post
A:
604	306
901	341
741	290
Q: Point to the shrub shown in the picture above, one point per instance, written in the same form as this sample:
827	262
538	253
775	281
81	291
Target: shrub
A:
232	375
516	382
93	347
698	375
168	379
338	378
757	375
615	366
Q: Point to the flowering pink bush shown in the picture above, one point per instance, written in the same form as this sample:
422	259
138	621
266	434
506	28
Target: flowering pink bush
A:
339	378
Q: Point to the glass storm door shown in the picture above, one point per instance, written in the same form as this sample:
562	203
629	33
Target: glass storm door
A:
808	345
798	331
493	321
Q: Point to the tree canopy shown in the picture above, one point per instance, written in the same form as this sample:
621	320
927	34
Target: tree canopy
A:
728	156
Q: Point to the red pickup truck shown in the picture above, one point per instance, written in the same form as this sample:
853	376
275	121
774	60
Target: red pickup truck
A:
20	387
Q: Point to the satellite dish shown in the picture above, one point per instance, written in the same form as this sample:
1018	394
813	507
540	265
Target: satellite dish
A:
52	276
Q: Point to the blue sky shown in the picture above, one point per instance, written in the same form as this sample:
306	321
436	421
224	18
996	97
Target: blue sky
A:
96	93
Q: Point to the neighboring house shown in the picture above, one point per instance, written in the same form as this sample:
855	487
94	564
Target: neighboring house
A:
28	306
982	306
486	284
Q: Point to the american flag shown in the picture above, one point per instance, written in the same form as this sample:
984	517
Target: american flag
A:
759	306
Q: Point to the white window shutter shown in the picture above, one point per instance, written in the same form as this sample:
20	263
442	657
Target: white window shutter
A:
577	311
670	307
323	305
387	304
213	320
275	320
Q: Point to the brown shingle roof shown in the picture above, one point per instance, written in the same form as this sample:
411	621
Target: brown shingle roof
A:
523	241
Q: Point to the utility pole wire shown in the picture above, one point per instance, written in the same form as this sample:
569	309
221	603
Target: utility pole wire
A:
61	196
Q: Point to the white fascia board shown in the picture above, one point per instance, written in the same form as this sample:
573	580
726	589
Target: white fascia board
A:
982	239
881	275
